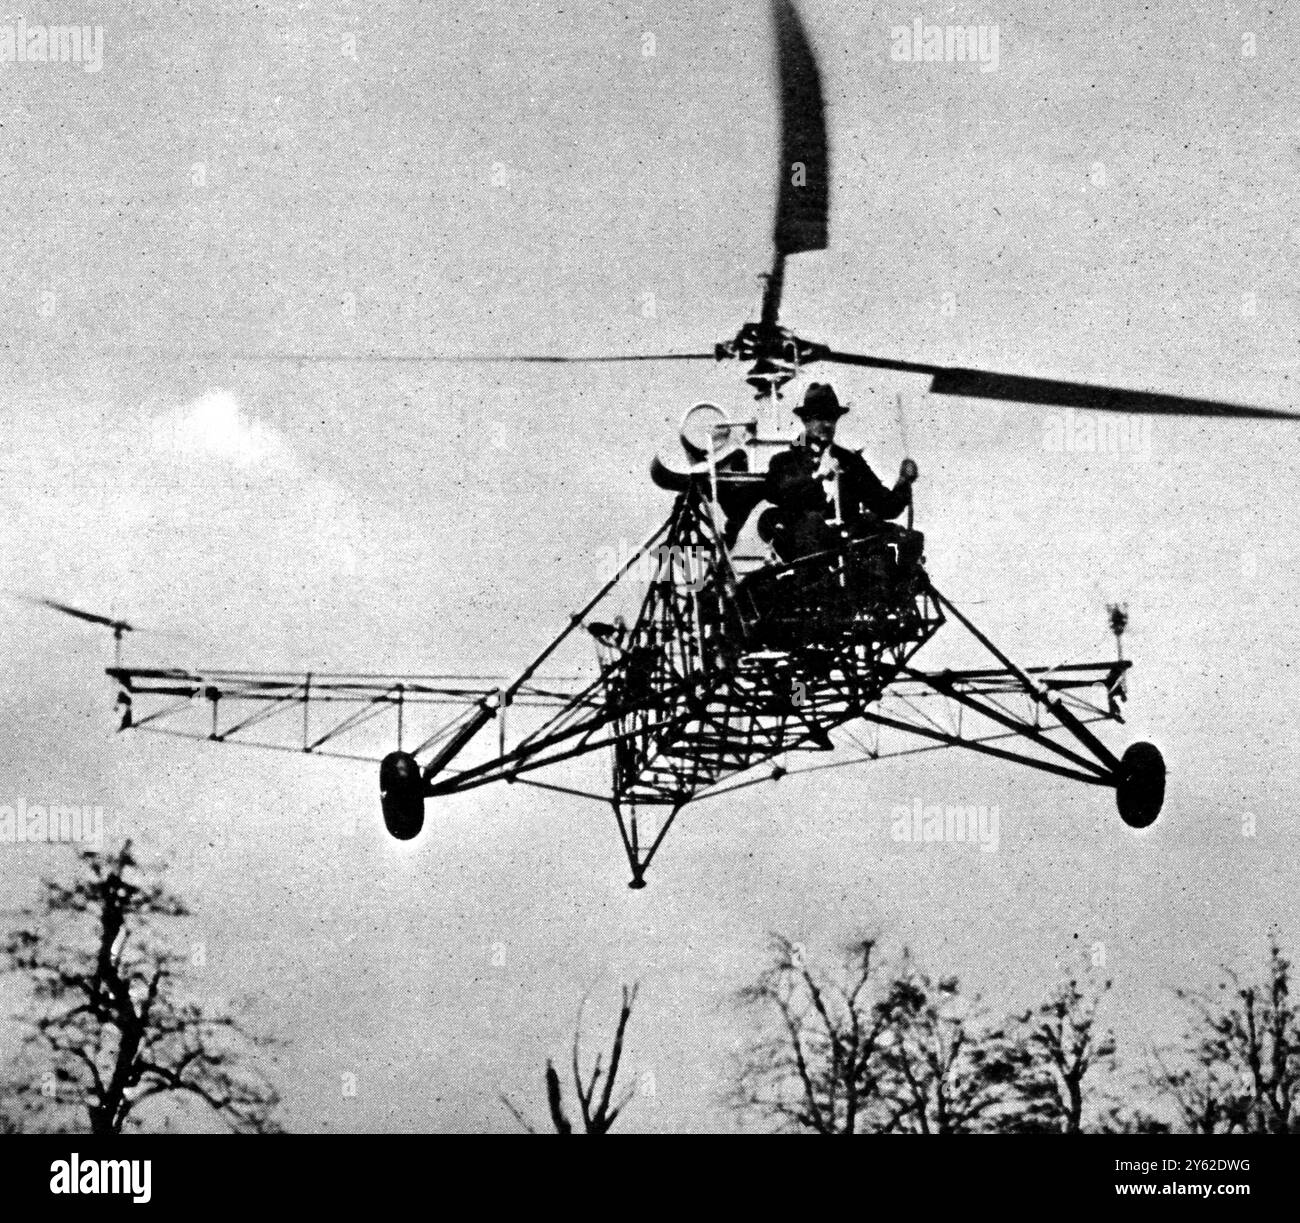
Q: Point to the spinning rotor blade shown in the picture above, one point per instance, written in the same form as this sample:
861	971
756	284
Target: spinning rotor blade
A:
803	174
984	384
384	358
579	360
804	169
118	626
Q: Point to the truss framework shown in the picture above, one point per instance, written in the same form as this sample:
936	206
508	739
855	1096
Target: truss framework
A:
721	679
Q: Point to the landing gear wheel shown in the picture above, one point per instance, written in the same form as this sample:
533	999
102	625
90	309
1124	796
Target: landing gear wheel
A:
401	794
1140	789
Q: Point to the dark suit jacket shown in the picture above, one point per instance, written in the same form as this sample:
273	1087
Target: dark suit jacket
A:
791	486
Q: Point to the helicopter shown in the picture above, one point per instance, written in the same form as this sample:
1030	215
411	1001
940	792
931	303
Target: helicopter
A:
736	662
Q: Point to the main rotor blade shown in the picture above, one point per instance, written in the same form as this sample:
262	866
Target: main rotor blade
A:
584	360
984	384
803	174
324	358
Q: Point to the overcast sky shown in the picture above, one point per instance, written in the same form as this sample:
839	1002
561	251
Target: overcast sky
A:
1116	202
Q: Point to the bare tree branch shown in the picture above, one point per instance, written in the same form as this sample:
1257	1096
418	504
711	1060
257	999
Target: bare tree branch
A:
128	1036
600	1118
1238	1067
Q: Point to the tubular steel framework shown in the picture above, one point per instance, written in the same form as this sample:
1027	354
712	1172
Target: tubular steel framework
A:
721	678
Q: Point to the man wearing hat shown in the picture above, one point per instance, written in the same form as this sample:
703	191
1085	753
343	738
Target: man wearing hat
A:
816	486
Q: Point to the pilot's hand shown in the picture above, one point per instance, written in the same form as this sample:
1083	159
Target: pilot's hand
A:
908	472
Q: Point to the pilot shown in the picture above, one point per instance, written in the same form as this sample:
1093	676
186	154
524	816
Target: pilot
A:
816	486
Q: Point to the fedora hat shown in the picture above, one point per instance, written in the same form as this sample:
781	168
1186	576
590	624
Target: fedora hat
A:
821	403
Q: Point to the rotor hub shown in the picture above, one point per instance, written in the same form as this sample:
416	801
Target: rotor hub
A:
776	352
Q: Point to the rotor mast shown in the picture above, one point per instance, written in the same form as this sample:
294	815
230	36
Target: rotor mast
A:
774	282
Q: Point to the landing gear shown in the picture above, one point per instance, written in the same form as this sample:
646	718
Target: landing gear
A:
639	854
401	794
1140	785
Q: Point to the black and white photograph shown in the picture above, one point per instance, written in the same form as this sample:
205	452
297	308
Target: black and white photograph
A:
723	568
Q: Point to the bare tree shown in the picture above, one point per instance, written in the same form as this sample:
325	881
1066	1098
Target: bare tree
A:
1061	1044
814	1063
1208	1099
1238	1069
107	1019
948	1068
597	1115
851	1049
